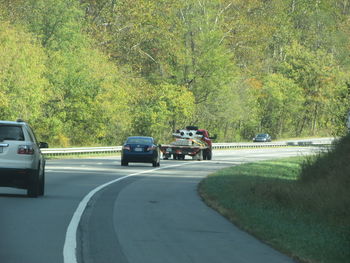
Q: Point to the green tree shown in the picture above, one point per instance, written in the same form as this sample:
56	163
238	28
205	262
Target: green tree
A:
56	23
22	69
280	102
161	110
318	75
87	94
235	64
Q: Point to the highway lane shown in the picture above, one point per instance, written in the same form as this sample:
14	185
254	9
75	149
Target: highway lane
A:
156	216
33	230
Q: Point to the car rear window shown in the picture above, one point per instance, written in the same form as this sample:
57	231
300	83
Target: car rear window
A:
140	140
11	132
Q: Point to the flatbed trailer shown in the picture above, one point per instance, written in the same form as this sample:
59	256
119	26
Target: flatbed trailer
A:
179	152
191	141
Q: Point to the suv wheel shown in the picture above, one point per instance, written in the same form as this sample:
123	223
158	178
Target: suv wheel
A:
42	185
33	188
36	184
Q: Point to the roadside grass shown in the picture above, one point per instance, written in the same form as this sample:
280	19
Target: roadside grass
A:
307	219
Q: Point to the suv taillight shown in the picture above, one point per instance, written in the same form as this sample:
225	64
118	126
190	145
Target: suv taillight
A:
25	149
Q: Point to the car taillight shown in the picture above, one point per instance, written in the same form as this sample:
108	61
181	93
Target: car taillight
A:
25	149
150	148
126	147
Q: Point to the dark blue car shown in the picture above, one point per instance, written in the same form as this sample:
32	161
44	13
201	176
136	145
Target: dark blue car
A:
140	149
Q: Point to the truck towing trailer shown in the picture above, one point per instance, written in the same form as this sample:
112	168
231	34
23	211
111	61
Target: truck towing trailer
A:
190	141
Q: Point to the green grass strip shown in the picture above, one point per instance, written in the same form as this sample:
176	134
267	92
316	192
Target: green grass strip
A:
267	200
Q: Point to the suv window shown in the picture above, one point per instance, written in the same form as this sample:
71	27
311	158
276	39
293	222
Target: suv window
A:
11	132
31	134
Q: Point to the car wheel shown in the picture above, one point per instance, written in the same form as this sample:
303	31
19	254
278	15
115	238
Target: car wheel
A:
154	163
124	163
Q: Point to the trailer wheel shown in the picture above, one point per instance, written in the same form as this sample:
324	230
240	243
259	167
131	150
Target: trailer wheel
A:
200	155
209	155
205	155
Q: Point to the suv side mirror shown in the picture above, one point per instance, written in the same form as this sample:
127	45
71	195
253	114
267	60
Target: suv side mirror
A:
43	145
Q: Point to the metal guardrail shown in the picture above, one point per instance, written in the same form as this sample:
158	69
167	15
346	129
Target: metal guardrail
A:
117	149
312	142
247	145
81	150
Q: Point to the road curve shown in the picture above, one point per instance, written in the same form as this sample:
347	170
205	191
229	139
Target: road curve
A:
155	216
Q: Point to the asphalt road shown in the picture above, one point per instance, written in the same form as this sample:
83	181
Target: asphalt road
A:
138	214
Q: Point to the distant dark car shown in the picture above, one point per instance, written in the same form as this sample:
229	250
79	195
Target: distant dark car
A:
262	137
140	149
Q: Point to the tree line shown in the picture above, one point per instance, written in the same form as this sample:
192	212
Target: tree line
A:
93	72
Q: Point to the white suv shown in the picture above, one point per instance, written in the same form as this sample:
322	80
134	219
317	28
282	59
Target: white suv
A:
22	164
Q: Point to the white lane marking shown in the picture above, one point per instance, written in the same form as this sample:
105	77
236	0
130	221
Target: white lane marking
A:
70	243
